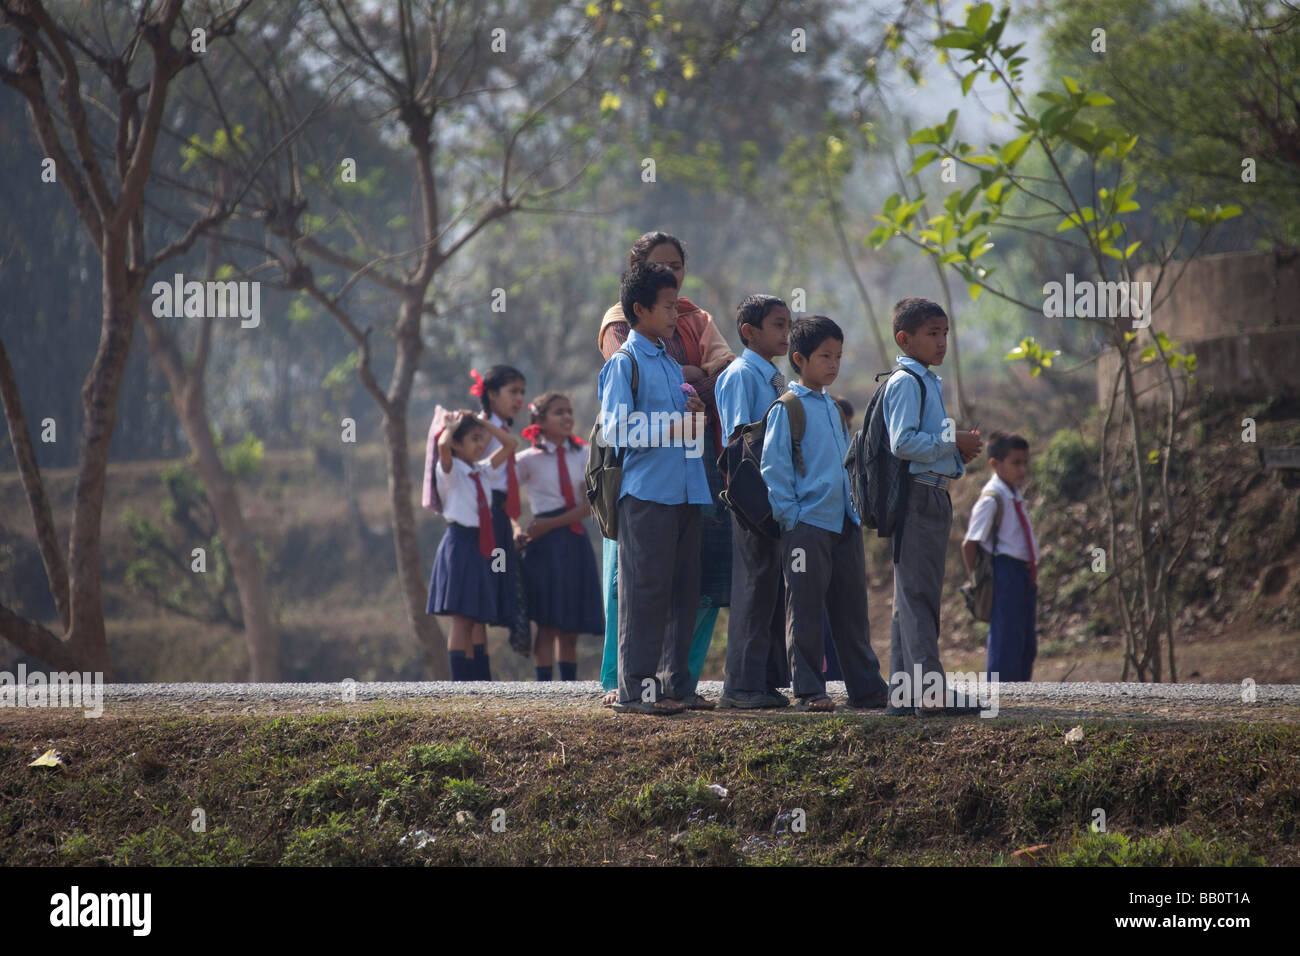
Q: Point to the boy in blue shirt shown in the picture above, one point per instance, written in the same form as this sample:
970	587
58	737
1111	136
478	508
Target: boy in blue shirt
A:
658	507
917	681
756	626
821	540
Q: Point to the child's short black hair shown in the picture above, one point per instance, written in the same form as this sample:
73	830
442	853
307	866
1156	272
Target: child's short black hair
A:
1001	444
911	313
641	285
753	309
809	332
466	425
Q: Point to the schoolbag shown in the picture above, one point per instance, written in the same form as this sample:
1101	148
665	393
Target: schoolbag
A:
740	465
605	469
878	479
430	497
978	592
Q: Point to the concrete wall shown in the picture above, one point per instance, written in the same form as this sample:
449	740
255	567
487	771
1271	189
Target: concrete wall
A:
1240	314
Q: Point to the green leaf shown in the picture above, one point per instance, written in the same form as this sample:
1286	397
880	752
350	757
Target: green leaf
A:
1097	99
974	289
924	160
978	19
1071	84
968	81
1015	149
957	40
661	97
1153	456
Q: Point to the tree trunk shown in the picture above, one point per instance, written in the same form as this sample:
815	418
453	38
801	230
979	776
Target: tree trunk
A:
99	404
410	574
189	398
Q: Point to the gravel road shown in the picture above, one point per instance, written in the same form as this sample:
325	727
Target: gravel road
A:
1074	701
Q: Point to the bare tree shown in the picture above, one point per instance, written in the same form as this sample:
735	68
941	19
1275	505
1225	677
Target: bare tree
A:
49	53
431	68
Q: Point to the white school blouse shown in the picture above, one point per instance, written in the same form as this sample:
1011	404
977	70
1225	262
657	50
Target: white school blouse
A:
496	480
540	475
1011	537
459	497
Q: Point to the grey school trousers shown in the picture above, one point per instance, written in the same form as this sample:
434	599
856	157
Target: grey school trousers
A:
829	572
918	586
658	595
756	655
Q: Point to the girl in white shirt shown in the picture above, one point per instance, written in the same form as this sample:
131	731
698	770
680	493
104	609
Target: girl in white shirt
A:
501	394
560	573
464	583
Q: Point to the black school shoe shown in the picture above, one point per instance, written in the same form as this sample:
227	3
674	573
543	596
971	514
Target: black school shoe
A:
892	711
774	698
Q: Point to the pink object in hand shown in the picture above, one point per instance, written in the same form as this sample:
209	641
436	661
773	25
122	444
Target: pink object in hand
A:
688	388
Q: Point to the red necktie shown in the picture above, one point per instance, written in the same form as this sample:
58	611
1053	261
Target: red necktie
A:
566	487
512	490
487	541
1029	541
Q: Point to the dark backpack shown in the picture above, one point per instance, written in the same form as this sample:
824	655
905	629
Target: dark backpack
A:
878	480
740	464
605	469
978	591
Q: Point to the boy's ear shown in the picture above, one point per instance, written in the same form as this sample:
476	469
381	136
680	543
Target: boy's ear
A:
901	338
744	339
797	360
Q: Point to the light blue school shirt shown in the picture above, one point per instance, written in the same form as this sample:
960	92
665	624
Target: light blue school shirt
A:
744	391
923	447
820	496
661	474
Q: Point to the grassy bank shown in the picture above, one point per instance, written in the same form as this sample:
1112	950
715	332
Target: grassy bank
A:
581	786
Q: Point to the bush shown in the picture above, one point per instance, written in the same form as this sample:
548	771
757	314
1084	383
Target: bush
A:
1067	468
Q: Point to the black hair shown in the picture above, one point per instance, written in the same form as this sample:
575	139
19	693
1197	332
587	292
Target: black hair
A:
466	425
1001	444
911	313
645	244
537	410
845	406
498	377
640	286
753	309
810	331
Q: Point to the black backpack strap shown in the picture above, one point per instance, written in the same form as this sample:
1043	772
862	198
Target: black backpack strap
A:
636	381
919	384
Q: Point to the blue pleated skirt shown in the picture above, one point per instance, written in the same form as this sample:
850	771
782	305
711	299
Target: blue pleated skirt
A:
462	581
509	587
562	582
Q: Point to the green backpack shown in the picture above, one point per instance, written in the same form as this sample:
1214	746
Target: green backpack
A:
605	470
978	592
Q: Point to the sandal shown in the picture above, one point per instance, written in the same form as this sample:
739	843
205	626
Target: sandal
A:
662	707
817	703
610	699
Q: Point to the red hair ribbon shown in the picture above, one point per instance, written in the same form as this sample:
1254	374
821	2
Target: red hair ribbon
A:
577	441
477	388
532	432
